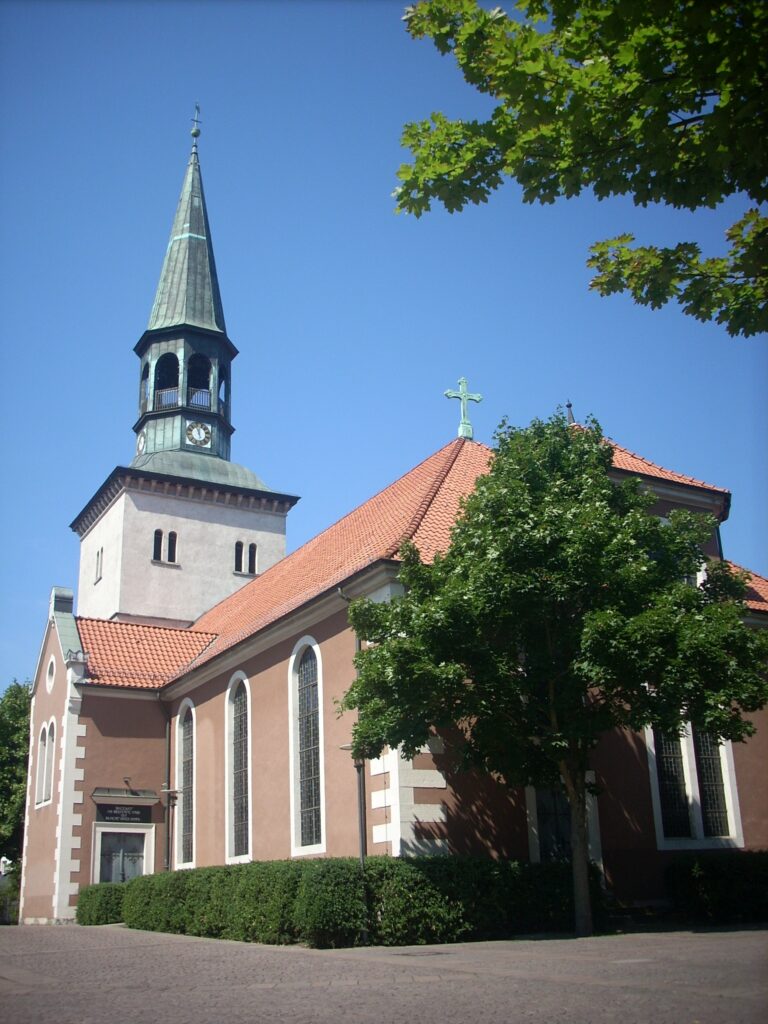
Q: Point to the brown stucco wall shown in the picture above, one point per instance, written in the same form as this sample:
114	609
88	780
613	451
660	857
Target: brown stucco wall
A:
751	762
124	738
483	817
40	839
627	833
267	674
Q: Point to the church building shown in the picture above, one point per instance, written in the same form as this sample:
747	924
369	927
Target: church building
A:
185	715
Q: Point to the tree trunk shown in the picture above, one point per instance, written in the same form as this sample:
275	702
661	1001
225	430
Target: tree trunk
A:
576	788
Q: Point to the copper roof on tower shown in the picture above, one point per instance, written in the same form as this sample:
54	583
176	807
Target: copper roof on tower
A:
188	292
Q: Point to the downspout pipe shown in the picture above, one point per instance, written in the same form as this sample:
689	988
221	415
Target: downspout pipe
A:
166	788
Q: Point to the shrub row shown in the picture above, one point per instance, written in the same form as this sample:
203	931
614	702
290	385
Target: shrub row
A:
723	886
100	904
329	902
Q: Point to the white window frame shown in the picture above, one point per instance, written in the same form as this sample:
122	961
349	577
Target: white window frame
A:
594	841
101	827
178	844
297	850
229	827
697	840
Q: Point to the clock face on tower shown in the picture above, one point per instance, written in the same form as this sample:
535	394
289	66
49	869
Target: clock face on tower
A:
141	443
199	434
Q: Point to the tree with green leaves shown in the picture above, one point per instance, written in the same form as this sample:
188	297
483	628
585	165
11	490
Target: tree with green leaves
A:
663	100
14	752
559	612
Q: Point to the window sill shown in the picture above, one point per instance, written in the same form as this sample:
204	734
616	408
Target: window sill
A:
242	858
701	843
308	851
166	565
247	575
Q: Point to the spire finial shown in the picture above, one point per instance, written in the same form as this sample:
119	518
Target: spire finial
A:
464	396
195	130
569	407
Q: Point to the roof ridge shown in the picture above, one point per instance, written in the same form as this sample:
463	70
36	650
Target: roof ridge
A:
186	630
657	465
743	568
331	526
418	516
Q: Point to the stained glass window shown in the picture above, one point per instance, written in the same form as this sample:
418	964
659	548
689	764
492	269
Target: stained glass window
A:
240	770
714	813
309	750
187	791
675	814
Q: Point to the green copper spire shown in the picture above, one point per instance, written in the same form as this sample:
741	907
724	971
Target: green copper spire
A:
464	396
188	292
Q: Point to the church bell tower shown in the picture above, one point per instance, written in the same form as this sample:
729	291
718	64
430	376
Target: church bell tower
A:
181	527
186	356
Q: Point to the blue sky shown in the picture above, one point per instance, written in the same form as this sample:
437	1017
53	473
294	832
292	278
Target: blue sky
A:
351	321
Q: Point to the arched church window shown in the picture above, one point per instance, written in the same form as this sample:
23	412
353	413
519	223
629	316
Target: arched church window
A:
49	759
252	559
171	547
309	750
41	751
199	382
239	556
186	787
157	550
167	382
239	763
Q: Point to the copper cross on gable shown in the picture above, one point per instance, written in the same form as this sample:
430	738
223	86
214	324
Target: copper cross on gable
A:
464	396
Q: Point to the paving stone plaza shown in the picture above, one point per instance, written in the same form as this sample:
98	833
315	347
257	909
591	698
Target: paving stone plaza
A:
74	975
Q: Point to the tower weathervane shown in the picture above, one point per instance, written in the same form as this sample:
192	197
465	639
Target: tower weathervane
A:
464	396
195	131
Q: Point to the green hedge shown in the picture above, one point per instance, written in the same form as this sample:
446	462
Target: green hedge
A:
100	904
328	902
722	886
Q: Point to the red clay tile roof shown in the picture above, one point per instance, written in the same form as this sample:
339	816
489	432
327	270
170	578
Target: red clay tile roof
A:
137	656
756	597
421	506
631	463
